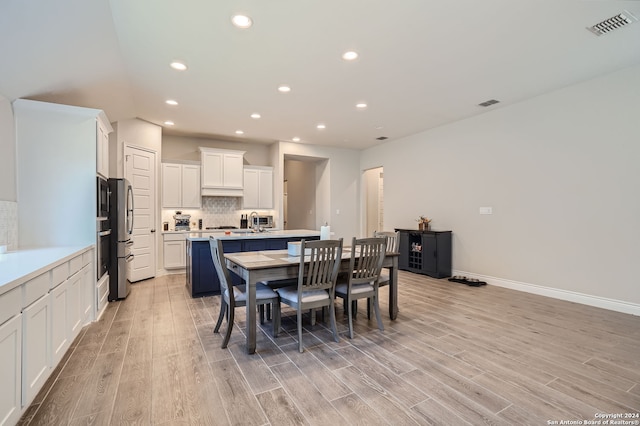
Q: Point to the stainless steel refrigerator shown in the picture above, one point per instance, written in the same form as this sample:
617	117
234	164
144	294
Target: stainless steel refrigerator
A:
121	218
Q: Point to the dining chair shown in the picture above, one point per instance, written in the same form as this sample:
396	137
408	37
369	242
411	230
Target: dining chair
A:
393	246
367	255
236	296
317	275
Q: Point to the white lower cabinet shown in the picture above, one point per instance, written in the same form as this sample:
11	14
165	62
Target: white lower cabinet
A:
36	347
11	370
88	293
59	328
174	251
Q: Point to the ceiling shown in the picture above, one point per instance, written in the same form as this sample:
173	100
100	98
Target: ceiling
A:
421	64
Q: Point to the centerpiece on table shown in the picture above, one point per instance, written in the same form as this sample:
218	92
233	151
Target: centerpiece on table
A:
424	223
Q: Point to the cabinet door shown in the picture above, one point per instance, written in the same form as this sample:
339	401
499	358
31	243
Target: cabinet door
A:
404	248
204	277
74	311
191	186
266	189
233	170
102	151
36	361
11	370
172	185
212	164
59	321
88	285
251	189
429	254
174	254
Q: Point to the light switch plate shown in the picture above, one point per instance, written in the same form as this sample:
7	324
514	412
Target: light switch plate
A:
486	210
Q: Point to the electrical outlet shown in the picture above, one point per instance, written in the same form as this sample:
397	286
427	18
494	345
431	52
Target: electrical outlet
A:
486	210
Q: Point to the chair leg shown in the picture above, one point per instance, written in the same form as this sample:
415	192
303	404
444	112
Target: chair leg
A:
300	330
376	308
349	314
332	318
223	311
261	311
276	318
312	315
229	328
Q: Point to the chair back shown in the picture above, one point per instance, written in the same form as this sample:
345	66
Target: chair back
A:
392	239
324	263
367	255
217	253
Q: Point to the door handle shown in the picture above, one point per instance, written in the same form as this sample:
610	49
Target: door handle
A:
153	230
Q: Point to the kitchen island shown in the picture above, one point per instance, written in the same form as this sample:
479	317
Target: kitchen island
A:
202	279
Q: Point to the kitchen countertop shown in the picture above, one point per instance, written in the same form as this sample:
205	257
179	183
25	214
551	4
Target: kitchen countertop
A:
289	233
18	267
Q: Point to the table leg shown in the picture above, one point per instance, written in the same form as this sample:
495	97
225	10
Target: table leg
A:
393	289
251	314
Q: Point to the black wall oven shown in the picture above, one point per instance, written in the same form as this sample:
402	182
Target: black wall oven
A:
104	247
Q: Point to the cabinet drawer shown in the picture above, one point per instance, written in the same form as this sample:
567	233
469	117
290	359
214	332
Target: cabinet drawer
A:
75	265
35	288
10	304
87	257
59	274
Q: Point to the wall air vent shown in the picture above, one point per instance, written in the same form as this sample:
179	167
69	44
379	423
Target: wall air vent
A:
381	138
488	103
613	23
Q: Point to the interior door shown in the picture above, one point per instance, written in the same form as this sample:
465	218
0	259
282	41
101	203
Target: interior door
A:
140	171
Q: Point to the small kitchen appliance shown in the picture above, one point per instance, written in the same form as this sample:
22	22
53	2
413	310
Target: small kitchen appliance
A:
261	221
182	221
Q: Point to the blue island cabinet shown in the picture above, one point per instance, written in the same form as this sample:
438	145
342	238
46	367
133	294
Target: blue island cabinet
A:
202	279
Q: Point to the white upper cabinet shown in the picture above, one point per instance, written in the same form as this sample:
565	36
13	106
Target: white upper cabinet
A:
258	187
222	172
102	148
180	185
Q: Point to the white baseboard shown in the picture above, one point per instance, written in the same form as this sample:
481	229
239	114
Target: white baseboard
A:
161	272
571	296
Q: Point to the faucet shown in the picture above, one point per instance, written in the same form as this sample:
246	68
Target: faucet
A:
255	226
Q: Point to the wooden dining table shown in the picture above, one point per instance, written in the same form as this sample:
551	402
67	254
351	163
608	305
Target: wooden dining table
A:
272	265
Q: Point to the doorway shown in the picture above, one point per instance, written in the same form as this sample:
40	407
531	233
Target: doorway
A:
373	182
306	200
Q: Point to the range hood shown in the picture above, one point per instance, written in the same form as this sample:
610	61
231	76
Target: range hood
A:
222	192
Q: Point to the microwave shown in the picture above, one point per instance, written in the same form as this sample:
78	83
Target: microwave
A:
262	222
103	198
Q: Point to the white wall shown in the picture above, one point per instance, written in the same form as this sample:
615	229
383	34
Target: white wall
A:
7	152
561	173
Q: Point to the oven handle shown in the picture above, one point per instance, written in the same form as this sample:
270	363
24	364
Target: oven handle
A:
104	233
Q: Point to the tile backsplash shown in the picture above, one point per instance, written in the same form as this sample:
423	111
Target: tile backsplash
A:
215	211
9	224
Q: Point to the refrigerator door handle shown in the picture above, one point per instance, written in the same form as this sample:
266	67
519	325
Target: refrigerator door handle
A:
129	258
130	208
129	243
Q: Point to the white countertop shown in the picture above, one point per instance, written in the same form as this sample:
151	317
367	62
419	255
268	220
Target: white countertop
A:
289	233
18	267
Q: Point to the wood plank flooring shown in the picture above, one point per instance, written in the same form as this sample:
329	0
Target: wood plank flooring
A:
456	355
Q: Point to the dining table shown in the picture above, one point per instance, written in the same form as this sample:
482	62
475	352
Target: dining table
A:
273	265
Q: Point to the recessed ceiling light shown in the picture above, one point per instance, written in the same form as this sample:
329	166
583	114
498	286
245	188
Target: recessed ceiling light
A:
255	115
169	123
171	102
349	55
283	88
178	66
295	139
321	126
361	105
239	132
241	21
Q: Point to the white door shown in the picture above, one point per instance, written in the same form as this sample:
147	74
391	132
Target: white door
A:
140	170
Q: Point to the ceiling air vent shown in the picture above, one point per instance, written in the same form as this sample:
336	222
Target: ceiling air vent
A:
613	23
381	138
488	103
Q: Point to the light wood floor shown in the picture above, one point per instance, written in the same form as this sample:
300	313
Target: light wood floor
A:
456	355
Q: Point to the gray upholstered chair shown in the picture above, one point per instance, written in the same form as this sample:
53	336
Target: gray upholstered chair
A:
316	281
361	282
235	296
